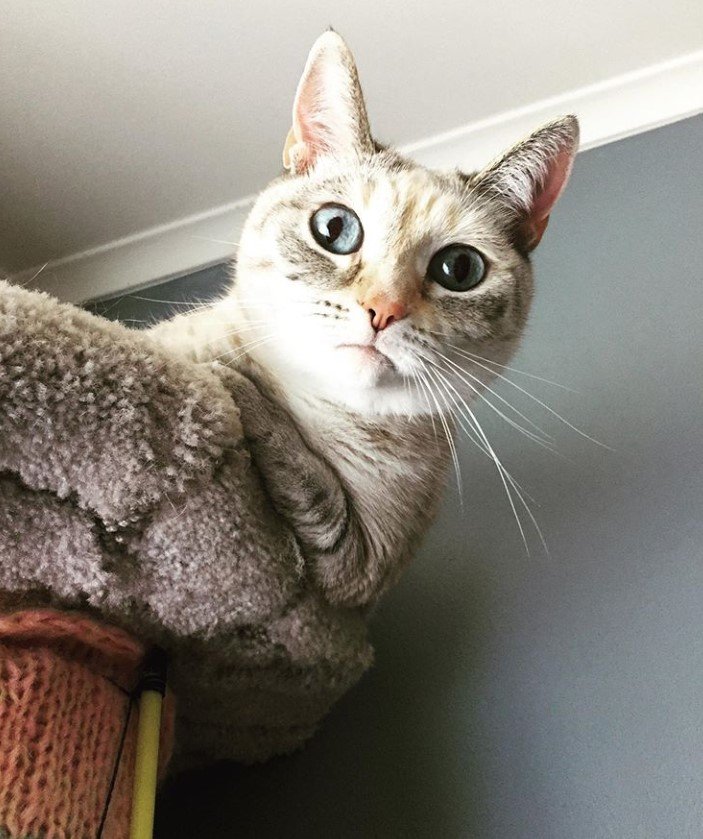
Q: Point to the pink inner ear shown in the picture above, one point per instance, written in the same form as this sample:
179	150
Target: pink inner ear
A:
554	182
308	109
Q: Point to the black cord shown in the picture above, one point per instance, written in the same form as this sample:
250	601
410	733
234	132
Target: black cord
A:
115	768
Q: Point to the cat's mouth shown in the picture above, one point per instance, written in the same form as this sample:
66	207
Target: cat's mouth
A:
370	354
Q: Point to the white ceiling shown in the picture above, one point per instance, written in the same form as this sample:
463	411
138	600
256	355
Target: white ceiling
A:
119	115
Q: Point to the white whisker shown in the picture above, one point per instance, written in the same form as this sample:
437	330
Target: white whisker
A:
505	476
195	306
439	372
248	327
501	474
450	441
419	384
217	241
244	349
461	370
507	419
535	399
34	276
505	366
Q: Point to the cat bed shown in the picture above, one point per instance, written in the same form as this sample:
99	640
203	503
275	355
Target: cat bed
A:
128	492
67	726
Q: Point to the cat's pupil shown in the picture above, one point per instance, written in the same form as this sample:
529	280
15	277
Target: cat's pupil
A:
334	227
461	267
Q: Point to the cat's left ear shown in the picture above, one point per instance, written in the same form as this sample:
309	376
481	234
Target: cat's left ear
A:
528	179
329	115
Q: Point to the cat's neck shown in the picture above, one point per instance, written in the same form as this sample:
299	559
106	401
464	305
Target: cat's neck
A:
364	448
393	467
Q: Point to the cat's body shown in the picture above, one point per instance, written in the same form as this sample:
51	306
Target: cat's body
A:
362	282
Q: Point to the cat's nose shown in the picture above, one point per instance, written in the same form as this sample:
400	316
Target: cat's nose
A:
383	311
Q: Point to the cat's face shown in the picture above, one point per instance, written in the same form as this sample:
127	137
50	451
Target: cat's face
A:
367	278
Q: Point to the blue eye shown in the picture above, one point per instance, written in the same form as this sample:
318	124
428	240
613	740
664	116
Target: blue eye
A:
457	267
337	229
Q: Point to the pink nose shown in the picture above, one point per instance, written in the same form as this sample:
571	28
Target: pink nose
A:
382	311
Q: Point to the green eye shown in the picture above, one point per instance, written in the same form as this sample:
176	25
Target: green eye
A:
337	229
457	267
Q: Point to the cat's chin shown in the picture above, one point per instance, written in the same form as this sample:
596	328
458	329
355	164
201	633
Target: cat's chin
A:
355	376
368	381
367	363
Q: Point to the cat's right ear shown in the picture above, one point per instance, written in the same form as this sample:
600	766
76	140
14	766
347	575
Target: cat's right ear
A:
329	115
528	179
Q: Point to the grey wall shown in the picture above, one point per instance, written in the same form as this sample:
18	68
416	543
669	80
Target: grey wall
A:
557	696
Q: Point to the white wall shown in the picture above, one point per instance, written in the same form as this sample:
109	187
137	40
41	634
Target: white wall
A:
122	115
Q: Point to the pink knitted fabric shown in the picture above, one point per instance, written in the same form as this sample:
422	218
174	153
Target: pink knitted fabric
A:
64	684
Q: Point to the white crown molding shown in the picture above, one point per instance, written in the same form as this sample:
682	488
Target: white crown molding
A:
610	110
152	255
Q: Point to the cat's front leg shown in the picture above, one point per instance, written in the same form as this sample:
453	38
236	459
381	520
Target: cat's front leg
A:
309	494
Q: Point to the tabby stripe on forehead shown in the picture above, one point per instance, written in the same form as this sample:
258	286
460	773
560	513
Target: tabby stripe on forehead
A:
291	204
403	222
284	209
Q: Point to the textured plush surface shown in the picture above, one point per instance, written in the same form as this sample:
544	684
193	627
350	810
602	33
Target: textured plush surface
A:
127	489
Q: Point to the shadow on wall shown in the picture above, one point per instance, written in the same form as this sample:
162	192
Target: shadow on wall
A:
142	308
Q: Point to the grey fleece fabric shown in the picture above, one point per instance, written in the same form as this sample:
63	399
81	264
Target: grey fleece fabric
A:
127	490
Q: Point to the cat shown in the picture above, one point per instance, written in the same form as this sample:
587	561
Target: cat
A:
364	286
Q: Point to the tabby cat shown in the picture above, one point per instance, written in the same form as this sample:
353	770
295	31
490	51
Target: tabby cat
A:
372	300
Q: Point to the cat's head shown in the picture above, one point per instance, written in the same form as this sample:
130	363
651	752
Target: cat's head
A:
365	276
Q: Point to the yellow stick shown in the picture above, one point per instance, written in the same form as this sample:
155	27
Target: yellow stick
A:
146	763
